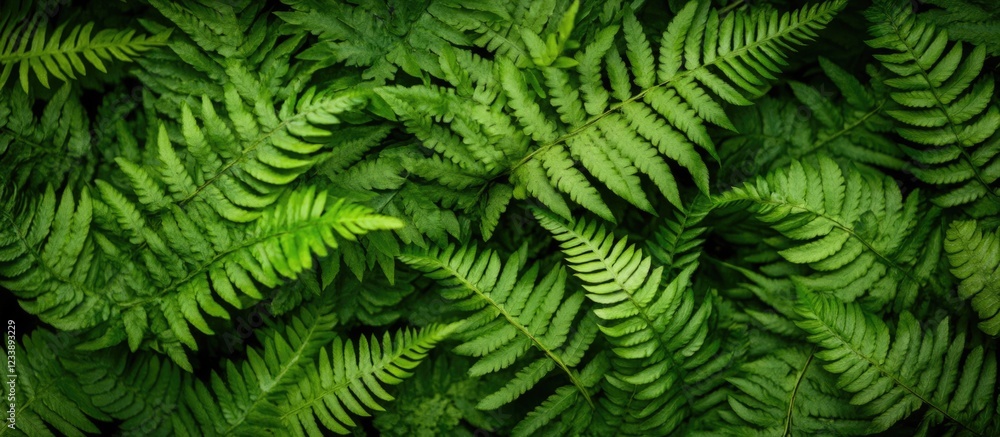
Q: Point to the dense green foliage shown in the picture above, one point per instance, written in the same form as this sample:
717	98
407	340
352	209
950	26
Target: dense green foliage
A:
535	217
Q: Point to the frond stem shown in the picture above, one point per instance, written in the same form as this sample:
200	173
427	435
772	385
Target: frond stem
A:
795	390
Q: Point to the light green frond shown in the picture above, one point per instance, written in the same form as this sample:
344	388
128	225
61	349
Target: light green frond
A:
177	274
281	246
29	48
349	381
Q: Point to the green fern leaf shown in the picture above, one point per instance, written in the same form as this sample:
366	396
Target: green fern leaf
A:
350	33
33	261
678	241
972	21
177	273
853	229
237	182
513	315
657	334
786	393
943	107
564	403
975	260
46	55
779	131
53	147
142	391
614	142
348	381
250	394
892	377
44	406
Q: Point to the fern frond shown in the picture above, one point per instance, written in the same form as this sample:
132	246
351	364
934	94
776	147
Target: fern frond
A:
440	399
143	391
893	376
852	228
659	336
373	301
238	169
973	21
58	386
348	381
44	247
237	44
53	248
229	29
63	58
614	133
246	401
52	148
564	404
513	315
784	394
975	260
45	403
677	242
384	38
774	132
280	247
944	105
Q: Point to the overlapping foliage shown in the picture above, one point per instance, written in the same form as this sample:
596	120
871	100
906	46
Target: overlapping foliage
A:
555	217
